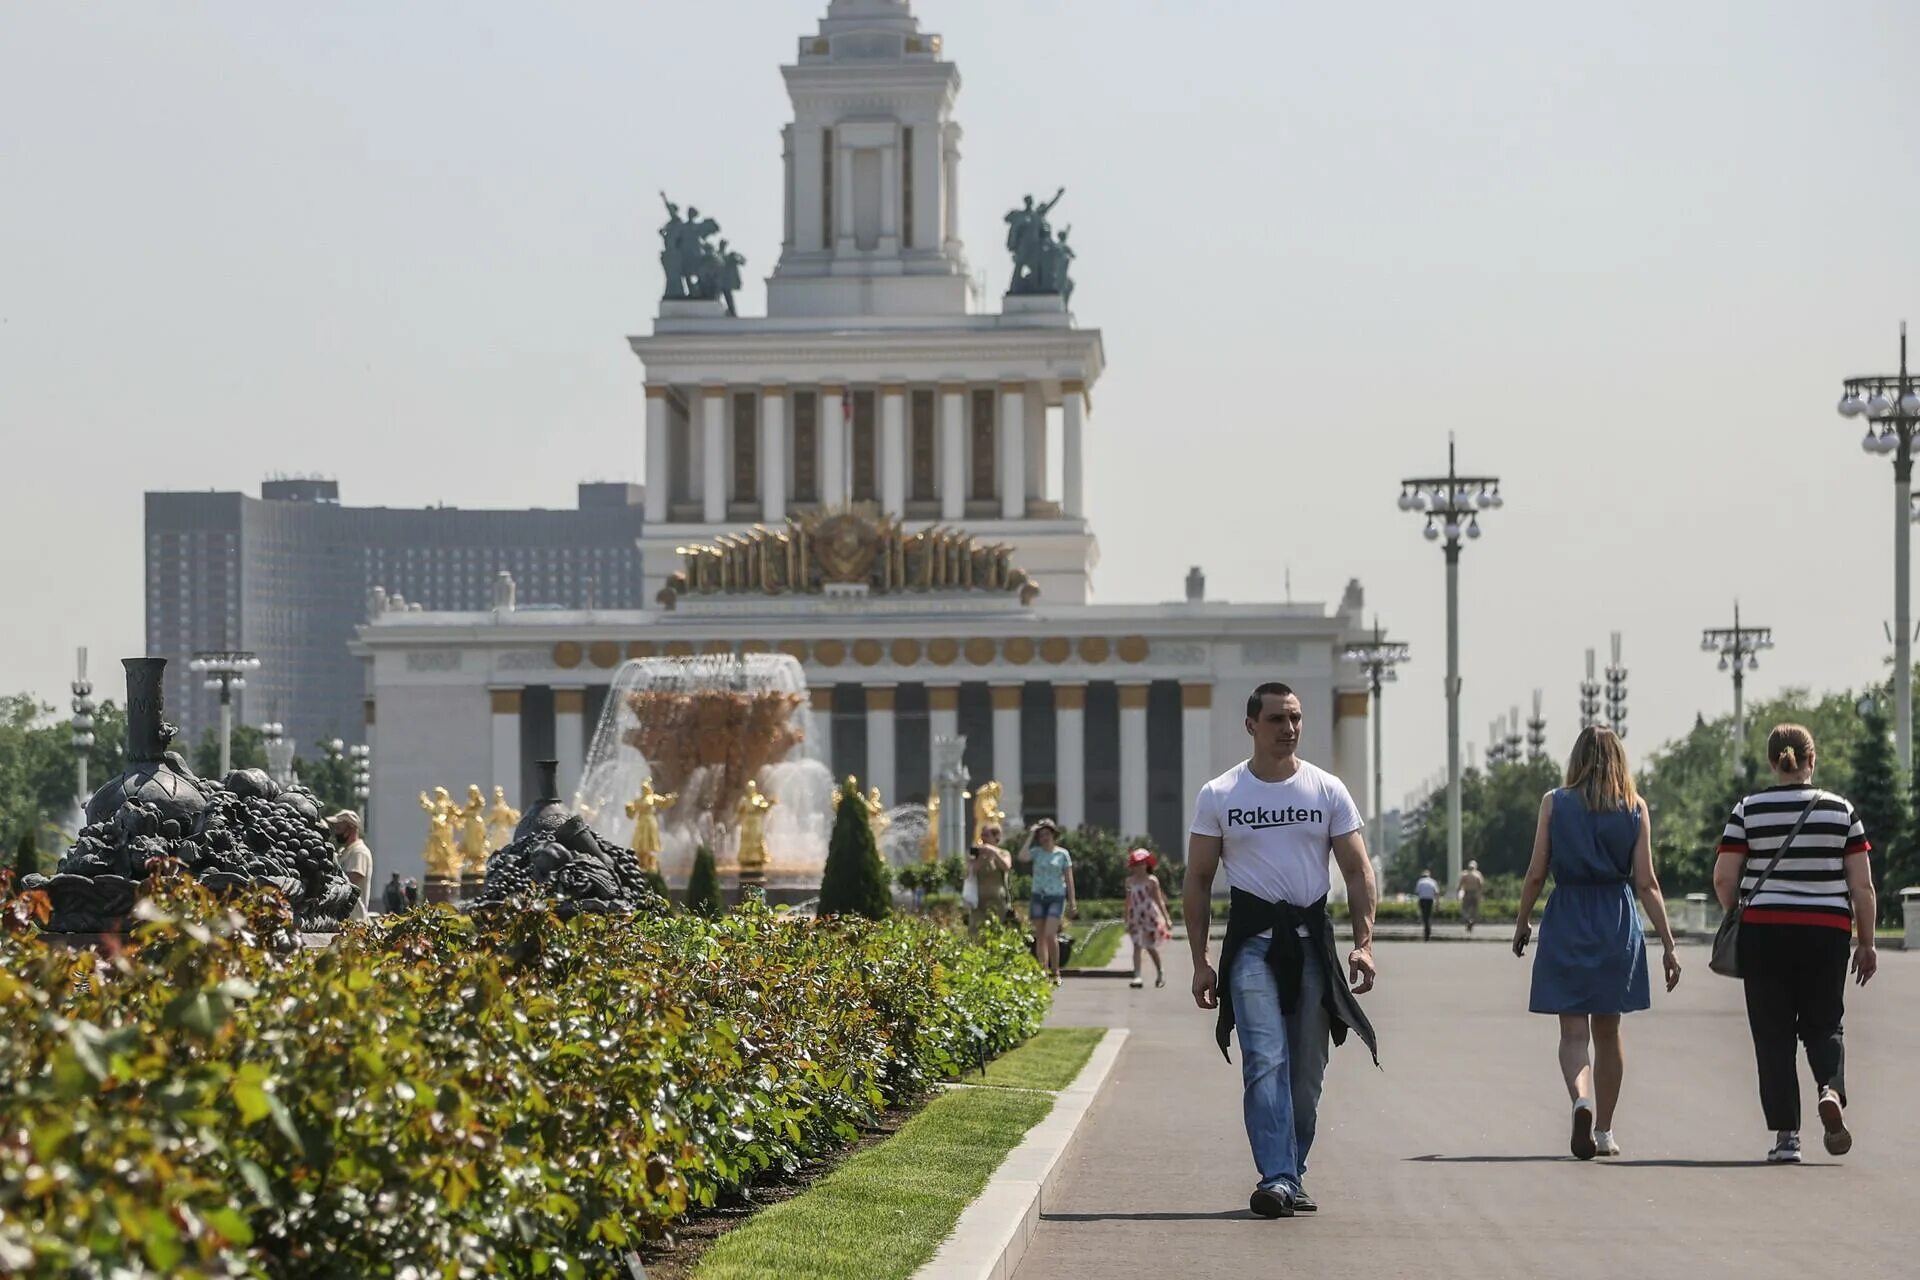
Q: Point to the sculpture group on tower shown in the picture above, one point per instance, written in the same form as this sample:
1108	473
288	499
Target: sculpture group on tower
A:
1042	261
696	267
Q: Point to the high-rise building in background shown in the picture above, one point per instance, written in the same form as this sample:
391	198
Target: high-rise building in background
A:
287	576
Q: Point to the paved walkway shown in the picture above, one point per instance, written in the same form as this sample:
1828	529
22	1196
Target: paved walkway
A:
1452	1160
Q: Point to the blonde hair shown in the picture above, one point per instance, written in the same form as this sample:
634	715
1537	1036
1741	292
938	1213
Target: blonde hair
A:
1598	770
1790	748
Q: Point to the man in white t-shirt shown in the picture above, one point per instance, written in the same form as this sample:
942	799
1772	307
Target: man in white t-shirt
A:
1426	890
355	858
1270	822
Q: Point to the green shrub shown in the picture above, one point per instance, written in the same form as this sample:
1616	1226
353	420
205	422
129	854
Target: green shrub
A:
854	881
442	1094
26	856
703	886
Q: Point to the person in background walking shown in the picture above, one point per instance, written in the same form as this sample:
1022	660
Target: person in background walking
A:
1596	836
413	893
355	858
1149	923
393	899
1052	891
989	865
1795	932
1472	885
1427	890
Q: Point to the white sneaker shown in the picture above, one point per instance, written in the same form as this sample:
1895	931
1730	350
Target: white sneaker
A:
1137	983
1786	1147
1603	1143
1833	1118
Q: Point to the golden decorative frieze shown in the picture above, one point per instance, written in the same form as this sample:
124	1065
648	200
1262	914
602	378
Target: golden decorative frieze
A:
603	653
905	652
1018	649
1056	649
830	653
795	649
642	649
979	651
567	655
1094	649
943	651
849	547
867	652
1132	648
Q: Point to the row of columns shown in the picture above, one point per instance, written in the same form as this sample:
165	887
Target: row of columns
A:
1017	448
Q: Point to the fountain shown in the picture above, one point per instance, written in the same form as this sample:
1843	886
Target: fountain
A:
701	729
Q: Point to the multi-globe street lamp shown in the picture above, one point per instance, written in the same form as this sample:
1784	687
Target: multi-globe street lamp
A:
1589	696
1452	505
1617	692
1378	657
1891	405
83	709
1739	648
1536	730
362	756
225	670
280	750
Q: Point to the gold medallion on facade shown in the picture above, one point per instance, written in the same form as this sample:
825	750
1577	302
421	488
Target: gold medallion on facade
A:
603	653
1017	649
679	648
829	653
943	651
1056	649
1132	648
755	646
642	648
1093	649
566	655
905	652
979	651
795	649
867	652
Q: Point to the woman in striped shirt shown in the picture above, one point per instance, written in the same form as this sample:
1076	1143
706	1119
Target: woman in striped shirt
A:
1794	935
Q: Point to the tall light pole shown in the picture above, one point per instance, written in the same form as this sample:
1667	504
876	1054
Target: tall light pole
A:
1739	647
225	670
279	748
1536	730
1452	505
1617	692
83	710
1891	405
362	756
1378	657
1589	696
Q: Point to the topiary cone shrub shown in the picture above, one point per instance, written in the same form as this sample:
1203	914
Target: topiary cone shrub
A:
855	880
26	857
703	886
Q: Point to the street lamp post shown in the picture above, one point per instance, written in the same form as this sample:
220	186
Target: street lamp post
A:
362	756
1378	657
225	670
1617	692
1891	405
1536	730
1739	647
83	710
1589	696
1455	502
280	750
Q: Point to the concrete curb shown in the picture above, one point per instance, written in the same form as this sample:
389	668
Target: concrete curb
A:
992	1234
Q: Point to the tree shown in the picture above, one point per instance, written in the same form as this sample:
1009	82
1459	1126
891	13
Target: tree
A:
330	778
249	750
1880	797
37	779
855	880
703	886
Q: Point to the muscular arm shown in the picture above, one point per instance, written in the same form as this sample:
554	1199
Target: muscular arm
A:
1350	852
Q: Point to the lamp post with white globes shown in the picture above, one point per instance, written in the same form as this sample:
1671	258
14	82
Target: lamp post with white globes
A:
1739	647
1891	405
225	670
1378	657
1452	505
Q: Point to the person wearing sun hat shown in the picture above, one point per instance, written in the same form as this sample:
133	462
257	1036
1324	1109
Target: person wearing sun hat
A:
1149	922
354	857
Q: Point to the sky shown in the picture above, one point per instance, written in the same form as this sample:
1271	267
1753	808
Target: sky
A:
1625	253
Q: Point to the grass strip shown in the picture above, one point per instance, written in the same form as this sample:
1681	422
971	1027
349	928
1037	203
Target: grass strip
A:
883	1213
1049	1060
1098	945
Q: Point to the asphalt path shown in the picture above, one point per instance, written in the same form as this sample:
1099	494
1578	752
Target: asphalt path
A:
1452	1159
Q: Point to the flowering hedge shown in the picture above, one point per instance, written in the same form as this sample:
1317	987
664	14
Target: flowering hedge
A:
446	1095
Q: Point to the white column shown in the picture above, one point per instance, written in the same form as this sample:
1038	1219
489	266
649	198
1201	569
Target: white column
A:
950	156
1196	744
1133	760
1036	434
713	435
953	451
808	235
889	240
506	739
1070	752
833	448
1072	478
842	198
880	741
928	187
1006	747
773	454
569	736
820	737
893	450
1013	450
943	711
659	468
1350	747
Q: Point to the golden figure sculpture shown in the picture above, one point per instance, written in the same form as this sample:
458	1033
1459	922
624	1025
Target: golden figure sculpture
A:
585	810
644	809
877	816
472	818
930	842
850	545
442	858
750	819
986	808
501	820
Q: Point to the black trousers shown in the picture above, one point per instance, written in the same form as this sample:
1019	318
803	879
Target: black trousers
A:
1796	981
1426	919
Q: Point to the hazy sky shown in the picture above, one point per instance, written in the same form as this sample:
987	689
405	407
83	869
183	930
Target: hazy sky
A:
1625	251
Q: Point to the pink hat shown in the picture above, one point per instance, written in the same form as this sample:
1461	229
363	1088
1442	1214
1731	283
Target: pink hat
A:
1139	856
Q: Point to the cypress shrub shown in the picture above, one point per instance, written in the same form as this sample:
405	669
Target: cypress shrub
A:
855	880
703	886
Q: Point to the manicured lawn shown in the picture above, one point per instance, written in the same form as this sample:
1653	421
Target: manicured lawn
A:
883	1213
1097	945
1048	1061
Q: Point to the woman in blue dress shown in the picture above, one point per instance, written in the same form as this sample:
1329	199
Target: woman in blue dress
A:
1591	967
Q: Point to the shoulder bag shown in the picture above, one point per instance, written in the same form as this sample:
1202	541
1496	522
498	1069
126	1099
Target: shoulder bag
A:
1726	942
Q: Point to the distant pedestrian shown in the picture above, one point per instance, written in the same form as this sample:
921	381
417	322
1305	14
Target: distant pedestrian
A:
1472	885
1149	923
989	865
394	897
1427	890
355	858
413	893
1597	838
1795	931
1053	895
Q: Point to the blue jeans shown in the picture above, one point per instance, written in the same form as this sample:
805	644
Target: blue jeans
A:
1283	1060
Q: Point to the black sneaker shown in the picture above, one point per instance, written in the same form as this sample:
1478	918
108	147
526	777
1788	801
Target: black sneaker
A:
1303	1203
1271	1202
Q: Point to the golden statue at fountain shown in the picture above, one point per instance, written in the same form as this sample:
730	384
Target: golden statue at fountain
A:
750	820
644	809
876	808
501	820
930	842
440	855
725	736
472	819
986	808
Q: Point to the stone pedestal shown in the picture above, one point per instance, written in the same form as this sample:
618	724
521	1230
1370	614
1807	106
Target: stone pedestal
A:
442	889
692	309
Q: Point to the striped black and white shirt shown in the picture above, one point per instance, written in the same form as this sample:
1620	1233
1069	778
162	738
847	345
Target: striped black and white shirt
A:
1810	884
